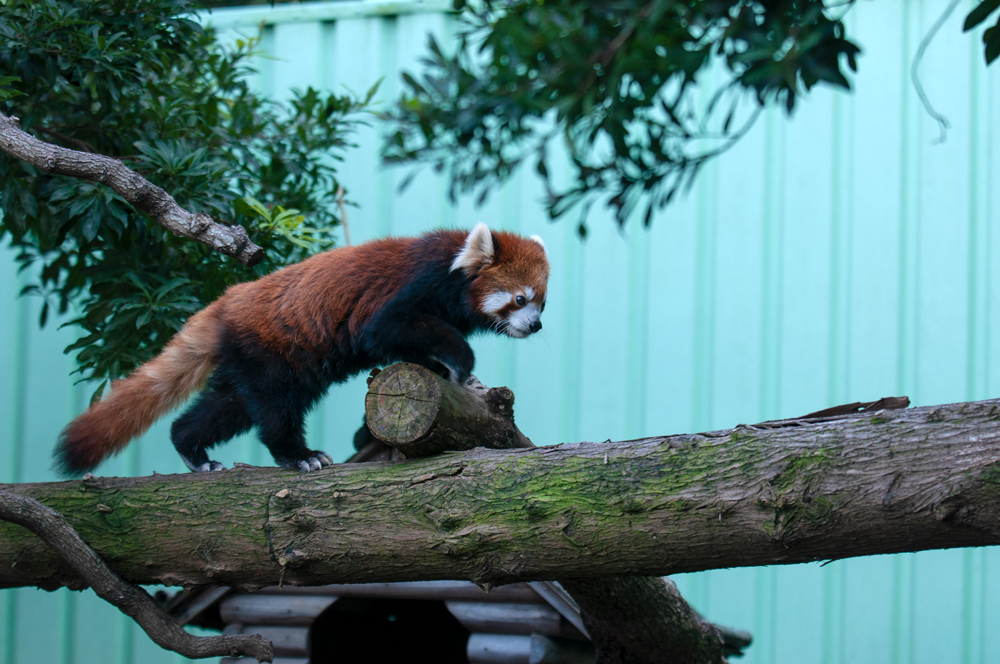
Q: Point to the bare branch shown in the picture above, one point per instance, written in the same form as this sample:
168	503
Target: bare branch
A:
135	602
137	190
942	121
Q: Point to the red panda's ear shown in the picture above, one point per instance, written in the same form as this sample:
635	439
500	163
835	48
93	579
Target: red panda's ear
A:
477	252
538	240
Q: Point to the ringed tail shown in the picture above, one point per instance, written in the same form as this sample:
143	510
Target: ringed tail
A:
134	403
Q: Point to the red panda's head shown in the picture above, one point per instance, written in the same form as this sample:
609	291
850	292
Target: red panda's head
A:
509	277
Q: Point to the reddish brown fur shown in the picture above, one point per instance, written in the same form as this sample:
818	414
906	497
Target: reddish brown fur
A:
287	307
133	404
299	314
518	263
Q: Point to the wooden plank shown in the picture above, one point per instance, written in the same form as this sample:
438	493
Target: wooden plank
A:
260	609
560	600
560	651
441	590
187	608
287	641
508	618
498	649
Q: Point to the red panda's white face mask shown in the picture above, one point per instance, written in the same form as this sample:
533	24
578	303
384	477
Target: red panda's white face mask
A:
510	274
515	314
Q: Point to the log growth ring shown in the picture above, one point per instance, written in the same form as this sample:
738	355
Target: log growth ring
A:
406	402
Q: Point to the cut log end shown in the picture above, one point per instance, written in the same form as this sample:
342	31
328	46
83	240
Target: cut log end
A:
402	403
420	413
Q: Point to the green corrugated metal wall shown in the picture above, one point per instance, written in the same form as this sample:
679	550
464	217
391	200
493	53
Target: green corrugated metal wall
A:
835	257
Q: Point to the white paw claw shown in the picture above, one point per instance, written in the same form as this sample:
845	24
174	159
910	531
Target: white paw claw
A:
315	462
204	467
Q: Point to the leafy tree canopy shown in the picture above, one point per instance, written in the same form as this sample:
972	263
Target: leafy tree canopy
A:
141	81
641	92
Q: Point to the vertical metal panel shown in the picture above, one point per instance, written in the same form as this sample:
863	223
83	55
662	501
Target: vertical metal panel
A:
805	314
903	582
773	268
911	147
990	140
937	631
868	596
706	226
974	599
875	210
833	256
979	134
740	247
989	584
943	223
603	285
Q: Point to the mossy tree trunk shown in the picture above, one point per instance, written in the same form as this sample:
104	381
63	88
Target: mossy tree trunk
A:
630	619
820	489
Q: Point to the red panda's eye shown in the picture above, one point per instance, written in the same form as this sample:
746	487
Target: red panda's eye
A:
543	307
520	300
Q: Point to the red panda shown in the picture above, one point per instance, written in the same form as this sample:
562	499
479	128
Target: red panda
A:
267	350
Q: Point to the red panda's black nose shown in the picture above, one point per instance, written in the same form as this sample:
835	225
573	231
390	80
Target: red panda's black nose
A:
536	326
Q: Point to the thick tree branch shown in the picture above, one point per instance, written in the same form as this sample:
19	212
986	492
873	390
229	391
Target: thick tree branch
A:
135	602
644	615
631	620
137	190
829	488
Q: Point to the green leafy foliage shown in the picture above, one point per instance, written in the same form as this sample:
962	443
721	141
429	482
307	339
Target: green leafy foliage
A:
623	82
7	91
140	81
289	224
991	36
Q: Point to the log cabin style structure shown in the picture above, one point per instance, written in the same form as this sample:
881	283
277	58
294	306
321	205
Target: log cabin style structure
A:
448	622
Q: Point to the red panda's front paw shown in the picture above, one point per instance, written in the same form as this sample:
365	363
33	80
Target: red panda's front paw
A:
455	374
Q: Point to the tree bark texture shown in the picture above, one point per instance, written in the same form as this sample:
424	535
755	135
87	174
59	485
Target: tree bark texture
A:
824	488
137	190
646	615
134	602
420	413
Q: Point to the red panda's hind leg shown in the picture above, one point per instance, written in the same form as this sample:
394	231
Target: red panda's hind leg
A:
283	433
213	418
278	411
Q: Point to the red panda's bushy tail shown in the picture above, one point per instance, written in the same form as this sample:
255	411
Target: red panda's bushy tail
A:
133	404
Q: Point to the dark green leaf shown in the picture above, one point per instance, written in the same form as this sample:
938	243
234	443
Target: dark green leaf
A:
992	40
979	14
91	223
143	83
